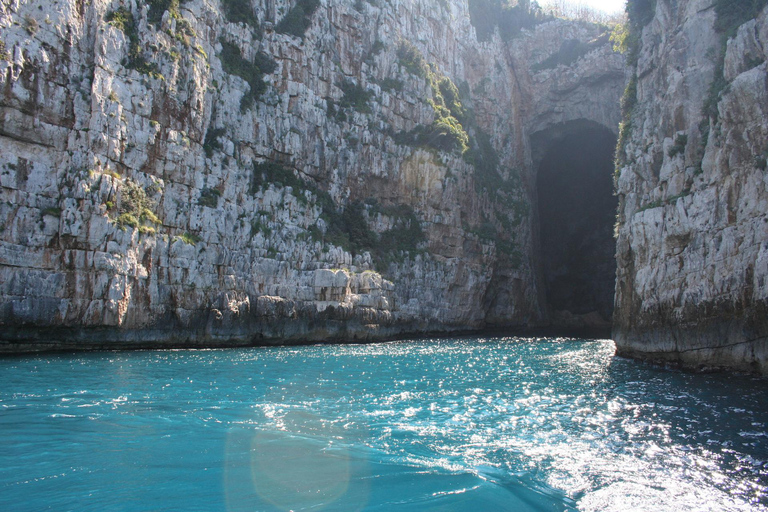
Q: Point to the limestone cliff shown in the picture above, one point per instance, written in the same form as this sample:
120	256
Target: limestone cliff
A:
692	251
228	172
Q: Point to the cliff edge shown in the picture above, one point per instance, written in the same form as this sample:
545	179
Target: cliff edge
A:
692	247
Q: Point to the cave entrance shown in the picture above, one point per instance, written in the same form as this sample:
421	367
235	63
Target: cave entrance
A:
576	213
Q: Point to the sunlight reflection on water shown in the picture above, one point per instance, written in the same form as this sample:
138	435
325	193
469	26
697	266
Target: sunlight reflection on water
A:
487	424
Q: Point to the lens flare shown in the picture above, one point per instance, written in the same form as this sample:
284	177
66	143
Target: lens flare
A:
302	463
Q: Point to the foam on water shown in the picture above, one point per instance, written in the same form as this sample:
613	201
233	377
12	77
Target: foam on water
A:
472	424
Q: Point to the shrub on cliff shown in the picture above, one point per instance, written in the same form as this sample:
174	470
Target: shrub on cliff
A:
253	73
569	10
158	7
123	20
240	11
265	173
626	36
211	142
135	208
446	132
347	226
350	230
405	235
299	18
391	85
626	39
209	197
484	158
411	59
678	148
447	94
355	96
628	102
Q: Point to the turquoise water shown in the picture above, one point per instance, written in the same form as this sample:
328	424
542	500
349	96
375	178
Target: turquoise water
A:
472	424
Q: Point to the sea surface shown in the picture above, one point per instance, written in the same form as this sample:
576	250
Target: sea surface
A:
470	424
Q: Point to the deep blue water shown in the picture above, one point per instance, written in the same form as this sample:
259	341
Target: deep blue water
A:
472	424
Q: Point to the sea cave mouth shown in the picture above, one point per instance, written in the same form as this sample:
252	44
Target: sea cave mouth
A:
576	213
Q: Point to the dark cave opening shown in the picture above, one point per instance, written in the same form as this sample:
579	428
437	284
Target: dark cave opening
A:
576	214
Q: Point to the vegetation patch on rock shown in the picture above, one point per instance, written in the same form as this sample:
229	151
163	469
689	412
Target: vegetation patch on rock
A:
135	208
446	133
233	63
681	141
211	142
412	60
123	20
240	11
487	15
626	39
347	226
299	18
355	96
209	197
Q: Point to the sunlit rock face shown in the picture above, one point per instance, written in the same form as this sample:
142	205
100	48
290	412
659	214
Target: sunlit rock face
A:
692	238
212	173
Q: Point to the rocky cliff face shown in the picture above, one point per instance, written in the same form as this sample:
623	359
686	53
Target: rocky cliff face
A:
692	250
231	173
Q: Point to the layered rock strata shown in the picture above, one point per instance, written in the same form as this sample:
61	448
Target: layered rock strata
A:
692	285
199	173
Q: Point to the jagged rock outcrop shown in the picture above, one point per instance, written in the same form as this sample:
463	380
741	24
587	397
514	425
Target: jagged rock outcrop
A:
203	173
692	251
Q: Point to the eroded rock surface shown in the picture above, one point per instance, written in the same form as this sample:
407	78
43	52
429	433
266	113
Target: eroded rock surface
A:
693	225
157	191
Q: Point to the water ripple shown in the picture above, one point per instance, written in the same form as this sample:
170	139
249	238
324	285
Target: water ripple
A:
490	424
